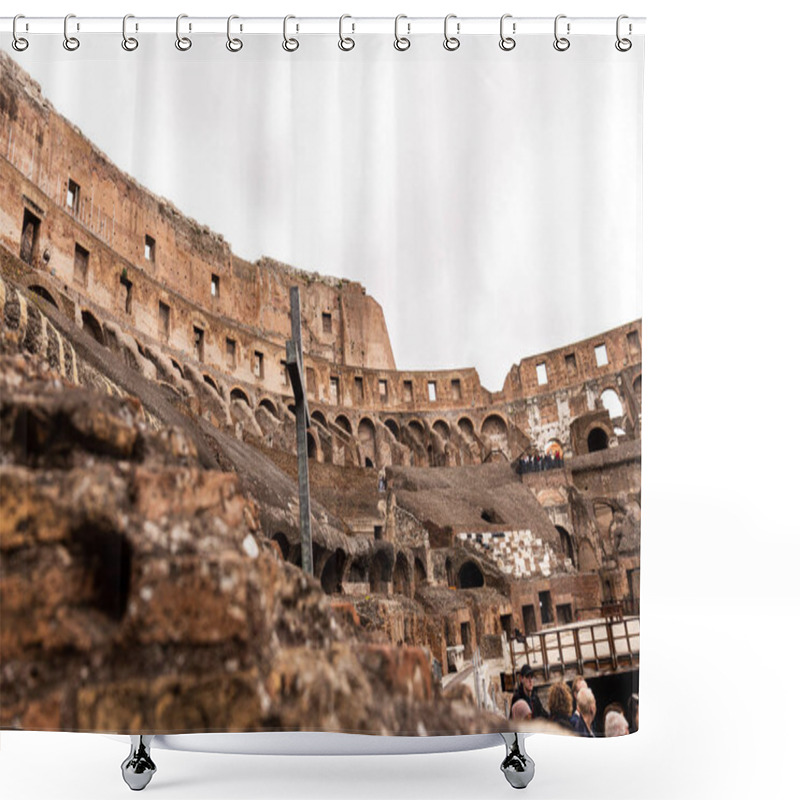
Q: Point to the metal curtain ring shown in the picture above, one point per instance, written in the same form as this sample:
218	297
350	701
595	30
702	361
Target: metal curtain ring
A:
561	43
233	44
623	45
401	42
129	43
183	43
451	42
506	42
70	42
345	42
19	43
289	44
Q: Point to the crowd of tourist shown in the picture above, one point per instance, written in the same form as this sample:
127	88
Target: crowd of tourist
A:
537	463
574	709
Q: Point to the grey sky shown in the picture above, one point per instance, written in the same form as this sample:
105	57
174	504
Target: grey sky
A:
489	201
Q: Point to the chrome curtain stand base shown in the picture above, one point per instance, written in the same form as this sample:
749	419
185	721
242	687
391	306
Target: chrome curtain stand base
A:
517	766
138	768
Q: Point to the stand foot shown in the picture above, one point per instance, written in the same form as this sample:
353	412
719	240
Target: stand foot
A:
138	768
518	766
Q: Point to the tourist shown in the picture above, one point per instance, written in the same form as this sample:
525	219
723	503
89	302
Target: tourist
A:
525	692
615	724
577	685
520	711
587	709
559	702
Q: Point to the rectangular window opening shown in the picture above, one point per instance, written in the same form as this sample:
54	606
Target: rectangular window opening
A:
529	619
571	364
431	391
128	295
600	355
383	390
73	196
408	392
327	322
541	374
564	613
455	388
81	264
634	345
230	353
359	390
149	249
163	320
258	364
507	625
215	285
334	391
545	607
30	237
199	342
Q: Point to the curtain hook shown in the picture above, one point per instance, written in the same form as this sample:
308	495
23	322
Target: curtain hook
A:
233	44
19	43
401	42
623	45
346	42
289	45
129	43
561	43
506	42
183	43
451	42
70	42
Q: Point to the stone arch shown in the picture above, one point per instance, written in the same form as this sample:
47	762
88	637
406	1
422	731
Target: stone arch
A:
494	430
401	577
359	570
366	438
609	399
466	427
597	440
319	417
470	576
393	427
332	575
566	543
211	382
344	423
380	571
442	428
554	448
587	559
36	289
237	393
269	406
283	543
314	450
177	366
417	428
92	326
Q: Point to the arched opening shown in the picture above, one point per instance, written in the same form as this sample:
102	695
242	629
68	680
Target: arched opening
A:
566	543
554	450
211	382
597	440
393	427
319	418
401	579
466	427
611	402
177	366
292	409
283	543
416	428
366	438
270	407
380	572
637	389
420	573
442	428
312	446
43	293
495	431
470	576
344	423
92	326
333	573
359	571
239	394
449	572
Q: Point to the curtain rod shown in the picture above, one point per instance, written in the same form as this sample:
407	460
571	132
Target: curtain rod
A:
463	26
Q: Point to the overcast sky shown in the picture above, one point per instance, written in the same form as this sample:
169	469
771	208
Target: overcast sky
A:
489	201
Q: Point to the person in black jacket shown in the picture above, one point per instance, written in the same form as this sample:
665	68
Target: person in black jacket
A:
525	692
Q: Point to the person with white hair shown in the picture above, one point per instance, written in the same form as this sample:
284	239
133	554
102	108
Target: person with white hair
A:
587	710
616	724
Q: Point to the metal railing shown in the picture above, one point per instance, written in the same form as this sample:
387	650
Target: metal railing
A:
603	645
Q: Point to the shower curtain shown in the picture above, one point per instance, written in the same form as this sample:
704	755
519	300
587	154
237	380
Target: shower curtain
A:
321	378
